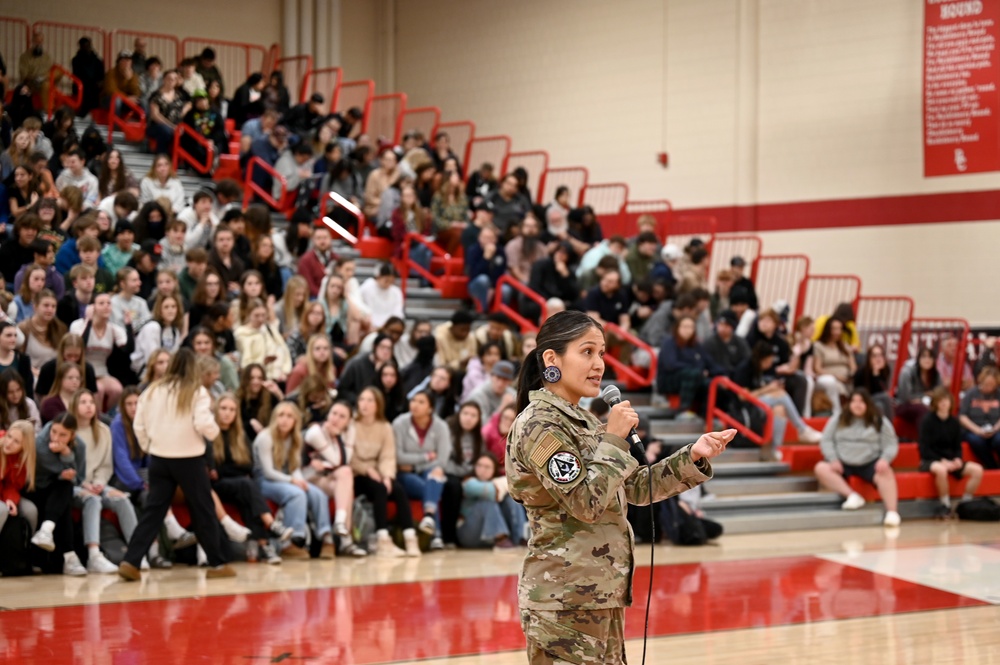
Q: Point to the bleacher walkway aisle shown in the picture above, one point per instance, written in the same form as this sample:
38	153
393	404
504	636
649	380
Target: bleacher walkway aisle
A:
750	496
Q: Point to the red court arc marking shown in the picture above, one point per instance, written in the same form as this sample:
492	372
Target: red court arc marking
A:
367	625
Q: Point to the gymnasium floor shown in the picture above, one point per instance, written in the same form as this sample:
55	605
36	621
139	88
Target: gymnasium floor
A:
924	594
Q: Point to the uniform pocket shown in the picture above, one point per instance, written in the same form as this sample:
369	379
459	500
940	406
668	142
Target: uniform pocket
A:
575	636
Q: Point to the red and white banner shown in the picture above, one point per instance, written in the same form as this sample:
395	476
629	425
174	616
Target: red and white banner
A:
961	93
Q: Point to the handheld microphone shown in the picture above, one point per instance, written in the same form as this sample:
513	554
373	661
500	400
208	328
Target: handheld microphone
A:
612	396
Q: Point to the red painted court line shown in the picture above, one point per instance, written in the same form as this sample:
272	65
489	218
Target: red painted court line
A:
366	625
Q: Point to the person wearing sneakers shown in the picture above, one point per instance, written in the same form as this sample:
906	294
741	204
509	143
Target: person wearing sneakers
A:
328	448
230	467
277	453
59	461
374	466
754	375
423	444
94	492
941	451
860	442
490	517
172	420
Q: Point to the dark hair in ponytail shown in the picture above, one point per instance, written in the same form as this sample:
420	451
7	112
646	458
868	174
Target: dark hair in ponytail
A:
556	334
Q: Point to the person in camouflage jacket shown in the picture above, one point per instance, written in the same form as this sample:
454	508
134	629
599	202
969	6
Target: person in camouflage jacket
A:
575	477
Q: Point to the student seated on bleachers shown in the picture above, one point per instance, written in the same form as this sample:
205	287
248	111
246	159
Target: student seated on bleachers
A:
860	442
685	368
490	518
737	268
946	363
787	365
833	363
755	375
844	313
941	450
917	380
980	418
876	377
739	302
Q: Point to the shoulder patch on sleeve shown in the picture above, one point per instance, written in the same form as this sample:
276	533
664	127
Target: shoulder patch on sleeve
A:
544	449
564	467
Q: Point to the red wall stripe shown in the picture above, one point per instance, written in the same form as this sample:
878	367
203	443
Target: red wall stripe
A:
841	213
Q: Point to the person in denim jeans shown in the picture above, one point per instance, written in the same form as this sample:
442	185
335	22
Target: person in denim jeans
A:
490	518
980	418
485	263
277	463
423	443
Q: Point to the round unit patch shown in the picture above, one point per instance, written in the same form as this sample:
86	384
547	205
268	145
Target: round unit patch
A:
564	467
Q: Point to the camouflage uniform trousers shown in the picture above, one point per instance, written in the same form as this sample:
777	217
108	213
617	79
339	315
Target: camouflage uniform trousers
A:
580	637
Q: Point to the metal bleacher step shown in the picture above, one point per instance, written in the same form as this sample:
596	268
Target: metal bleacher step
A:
738	469
745	502
729	486
793	519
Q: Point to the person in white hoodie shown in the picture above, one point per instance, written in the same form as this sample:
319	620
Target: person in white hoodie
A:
172	422
161	181
382	297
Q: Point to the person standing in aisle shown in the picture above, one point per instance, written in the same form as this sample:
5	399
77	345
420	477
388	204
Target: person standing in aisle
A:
172	422
574	476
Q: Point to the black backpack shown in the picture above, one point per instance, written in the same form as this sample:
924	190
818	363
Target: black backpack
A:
982	509
15	538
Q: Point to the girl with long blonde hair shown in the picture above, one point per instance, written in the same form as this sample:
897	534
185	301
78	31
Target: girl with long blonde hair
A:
231	472
173	420
17	472
278	456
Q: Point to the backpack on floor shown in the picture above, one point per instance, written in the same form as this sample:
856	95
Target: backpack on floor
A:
982	509
14	542
363	519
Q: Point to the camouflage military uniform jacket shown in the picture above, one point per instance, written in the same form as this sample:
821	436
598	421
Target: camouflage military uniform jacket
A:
575	480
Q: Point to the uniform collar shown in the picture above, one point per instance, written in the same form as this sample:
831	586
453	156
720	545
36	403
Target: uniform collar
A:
571	410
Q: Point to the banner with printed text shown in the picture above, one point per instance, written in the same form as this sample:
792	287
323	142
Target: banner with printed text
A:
961	95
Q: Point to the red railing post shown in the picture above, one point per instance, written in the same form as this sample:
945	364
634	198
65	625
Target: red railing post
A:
133	130
500	306
56	74
250	187
713	412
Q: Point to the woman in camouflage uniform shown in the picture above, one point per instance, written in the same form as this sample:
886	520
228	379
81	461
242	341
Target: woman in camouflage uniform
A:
574	477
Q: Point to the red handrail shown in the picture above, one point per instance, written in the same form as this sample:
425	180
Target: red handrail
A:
713	412
271	57
500	306
633	379
118	40
501	142
133	130
572	176
830	291
536	172
368	87
428	130
407	264
56	74
250	187
182	155
312	84
301	61
376	125
935	327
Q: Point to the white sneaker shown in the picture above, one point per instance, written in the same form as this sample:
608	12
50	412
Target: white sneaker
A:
891	518
43	540
72	565
98	563
235	532
145	564
853	502
387	549
427	525
809	435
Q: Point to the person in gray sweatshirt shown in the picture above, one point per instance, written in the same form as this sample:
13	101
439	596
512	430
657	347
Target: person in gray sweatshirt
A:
423	445
860	442
61	465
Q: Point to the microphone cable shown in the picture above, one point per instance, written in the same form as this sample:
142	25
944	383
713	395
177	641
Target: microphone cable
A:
652	549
